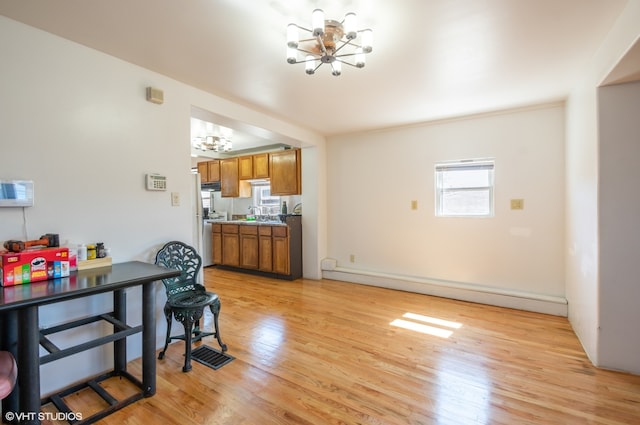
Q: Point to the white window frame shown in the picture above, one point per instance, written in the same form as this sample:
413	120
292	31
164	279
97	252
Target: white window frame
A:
262	196
442	192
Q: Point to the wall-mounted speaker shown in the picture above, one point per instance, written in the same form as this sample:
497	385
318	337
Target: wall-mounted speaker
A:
155	95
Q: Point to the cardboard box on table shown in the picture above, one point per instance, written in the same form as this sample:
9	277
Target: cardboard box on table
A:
33	265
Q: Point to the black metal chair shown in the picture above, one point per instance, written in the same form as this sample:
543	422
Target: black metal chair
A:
186	299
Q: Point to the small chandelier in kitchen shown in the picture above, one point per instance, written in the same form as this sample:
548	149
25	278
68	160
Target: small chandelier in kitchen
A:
212	143
331	42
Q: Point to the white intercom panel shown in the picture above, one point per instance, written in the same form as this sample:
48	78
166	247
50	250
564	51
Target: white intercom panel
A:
156	182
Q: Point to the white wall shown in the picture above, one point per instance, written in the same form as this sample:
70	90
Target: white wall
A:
584	287
76	122
372	178
581	220
619	212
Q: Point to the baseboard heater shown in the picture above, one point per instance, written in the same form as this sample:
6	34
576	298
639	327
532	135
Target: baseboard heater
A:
499	297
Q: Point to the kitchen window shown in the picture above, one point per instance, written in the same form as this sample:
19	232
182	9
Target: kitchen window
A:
262	196
464	188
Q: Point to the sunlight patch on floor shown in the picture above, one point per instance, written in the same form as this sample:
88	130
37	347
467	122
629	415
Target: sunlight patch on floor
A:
414	325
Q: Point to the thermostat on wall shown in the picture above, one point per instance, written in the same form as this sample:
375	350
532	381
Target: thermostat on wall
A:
156	182
16	193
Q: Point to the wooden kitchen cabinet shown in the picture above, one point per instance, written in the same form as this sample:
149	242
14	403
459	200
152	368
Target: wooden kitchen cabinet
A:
203	170
265	248
229	181
280	250
213	168
254	166
230	245
245	167
216	243
209	171
261	166
270	250
249	247
285	172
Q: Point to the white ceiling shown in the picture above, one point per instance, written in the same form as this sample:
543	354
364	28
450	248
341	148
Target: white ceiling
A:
431	59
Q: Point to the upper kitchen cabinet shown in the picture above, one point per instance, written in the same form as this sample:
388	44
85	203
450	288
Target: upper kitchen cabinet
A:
214	170
245	167
203	170
285	172
229	178
254	166
261	166
209	171
230	184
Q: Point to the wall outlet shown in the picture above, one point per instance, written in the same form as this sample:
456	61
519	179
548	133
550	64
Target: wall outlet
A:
352	258
175	199
414	204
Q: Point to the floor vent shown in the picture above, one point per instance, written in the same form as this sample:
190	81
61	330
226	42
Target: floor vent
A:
210	357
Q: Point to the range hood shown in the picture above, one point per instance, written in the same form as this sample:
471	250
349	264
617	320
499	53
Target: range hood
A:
215	186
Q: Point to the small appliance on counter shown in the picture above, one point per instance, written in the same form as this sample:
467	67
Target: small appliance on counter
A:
217	216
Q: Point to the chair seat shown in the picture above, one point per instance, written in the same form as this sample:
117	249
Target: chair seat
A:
192	300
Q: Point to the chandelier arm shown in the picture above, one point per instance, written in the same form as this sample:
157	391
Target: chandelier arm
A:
302	61
309	52
345	62
306	29
344	43
322	46
344	55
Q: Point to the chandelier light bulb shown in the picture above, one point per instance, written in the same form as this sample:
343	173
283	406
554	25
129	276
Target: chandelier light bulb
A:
310	65
367	40
292	55
292	36
360	59
317	22
350	26
336	68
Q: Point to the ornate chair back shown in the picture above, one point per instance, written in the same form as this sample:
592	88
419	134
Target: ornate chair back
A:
180	256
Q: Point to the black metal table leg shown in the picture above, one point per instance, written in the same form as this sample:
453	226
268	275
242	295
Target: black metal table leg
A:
120	345
29	364
148	339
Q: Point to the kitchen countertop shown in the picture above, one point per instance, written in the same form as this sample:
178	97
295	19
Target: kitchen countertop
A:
248	222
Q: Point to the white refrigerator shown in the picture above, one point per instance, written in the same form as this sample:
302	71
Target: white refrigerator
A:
198	219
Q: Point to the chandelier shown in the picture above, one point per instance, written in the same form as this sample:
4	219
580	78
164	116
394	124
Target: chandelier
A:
212	143
331	42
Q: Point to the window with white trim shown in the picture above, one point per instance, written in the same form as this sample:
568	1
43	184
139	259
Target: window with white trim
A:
464	188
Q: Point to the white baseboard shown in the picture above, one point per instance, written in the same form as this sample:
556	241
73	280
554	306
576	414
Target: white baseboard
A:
556	306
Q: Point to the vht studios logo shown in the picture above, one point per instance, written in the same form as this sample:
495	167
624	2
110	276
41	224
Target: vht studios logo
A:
43	416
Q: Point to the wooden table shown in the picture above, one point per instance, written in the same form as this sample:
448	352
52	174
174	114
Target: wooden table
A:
22	335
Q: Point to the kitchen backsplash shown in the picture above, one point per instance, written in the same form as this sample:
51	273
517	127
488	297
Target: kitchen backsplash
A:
240	206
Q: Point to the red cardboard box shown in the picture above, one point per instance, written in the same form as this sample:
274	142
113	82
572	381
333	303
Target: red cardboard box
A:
33	265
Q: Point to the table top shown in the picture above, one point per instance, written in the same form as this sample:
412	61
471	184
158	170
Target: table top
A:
82	283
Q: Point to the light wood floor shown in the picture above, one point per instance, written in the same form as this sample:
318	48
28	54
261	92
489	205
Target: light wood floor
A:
326	352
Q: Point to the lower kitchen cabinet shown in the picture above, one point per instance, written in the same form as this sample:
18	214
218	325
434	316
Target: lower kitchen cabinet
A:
216	243
230	245
265	248
280	250
249	247
260	248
